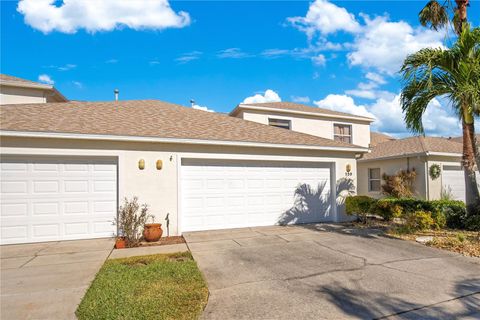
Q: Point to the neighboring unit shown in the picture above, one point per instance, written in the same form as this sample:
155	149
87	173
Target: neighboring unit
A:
419	153
66	167
15	90
319	122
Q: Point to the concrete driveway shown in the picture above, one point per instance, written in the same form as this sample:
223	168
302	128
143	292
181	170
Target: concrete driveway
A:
48	280
331	272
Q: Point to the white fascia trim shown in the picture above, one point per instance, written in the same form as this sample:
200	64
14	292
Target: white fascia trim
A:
80	136
315	114
444	154
26	85
399	156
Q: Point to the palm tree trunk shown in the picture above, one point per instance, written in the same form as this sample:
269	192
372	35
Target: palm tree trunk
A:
461	13
472	196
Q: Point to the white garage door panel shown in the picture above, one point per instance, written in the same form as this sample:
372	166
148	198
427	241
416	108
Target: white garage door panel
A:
61	199
218	195
453	179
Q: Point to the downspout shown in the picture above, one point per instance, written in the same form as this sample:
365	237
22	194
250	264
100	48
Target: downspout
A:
427	185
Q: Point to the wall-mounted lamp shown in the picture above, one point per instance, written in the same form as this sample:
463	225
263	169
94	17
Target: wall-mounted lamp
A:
141	164
348	168
159	164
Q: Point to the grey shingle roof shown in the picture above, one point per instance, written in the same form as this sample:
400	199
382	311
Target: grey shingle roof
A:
148	118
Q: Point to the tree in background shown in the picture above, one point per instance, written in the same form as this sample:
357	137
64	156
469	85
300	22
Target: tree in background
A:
436	16
455	74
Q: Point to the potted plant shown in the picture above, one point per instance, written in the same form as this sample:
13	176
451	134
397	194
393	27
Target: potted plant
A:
130	221
120	243
152	231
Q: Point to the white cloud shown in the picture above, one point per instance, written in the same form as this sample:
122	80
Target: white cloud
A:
343	103
383	44
375	77
204	108
189	56
300	99
105	15
319	60
367	94
389	117
325	18
233	53
67	67
78	84
268	96
45	78
378	43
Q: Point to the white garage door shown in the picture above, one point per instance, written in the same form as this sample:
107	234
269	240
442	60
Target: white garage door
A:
57	199
453	181
220	194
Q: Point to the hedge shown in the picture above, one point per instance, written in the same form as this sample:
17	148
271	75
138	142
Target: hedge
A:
451	213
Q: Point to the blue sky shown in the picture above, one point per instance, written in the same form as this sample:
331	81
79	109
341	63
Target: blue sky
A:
340	55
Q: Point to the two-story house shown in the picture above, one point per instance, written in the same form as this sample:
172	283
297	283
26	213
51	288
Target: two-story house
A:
15	90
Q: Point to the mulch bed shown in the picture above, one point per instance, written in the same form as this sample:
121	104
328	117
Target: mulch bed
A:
163	241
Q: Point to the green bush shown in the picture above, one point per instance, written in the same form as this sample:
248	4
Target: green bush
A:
419	220
387	208
359	205
473	223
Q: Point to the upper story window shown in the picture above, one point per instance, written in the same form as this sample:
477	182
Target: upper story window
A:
374	181
280	123
342	132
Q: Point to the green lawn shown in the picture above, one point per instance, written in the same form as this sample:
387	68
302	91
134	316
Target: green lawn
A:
149	287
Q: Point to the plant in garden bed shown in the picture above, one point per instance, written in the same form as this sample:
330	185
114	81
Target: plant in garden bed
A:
360	206
131	220
399	185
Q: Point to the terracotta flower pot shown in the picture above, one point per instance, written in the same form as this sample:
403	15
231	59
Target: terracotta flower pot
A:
120	243
152	232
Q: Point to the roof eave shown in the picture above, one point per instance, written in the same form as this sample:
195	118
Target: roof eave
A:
39	86
416	154
80	136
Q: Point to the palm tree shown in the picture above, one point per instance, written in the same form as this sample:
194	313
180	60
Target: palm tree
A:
453	74
435	15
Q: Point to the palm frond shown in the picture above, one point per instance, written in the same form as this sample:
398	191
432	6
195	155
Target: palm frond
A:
433	15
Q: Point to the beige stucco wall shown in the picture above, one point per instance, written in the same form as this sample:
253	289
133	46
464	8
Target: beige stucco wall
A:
317	126
159	188
390	167
16	95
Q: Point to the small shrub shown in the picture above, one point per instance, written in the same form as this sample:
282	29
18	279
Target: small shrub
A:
359	205
439	219
419	220
399	185
131	222
454	211
388	209
473	223
461	237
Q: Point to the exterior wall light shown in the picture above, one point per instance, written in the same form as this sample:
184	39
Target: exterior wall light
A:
159	164
348	168
141	164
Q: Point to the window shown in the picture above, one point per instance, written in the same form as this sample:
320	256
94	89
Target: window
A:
374	179
342	132
280	123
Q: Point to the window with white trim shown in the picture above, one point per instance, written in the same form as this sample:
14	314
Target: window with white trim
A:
374	179
342	132
280	123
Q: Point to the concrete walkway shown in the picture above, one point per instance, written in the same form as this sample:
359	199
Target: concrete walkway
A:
48	280
331	272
